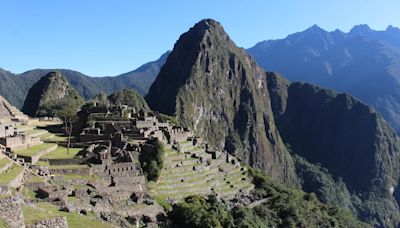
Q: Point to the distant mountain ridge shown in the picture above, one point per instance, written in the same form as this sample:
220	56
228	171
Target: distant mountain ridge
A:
15	87
363	62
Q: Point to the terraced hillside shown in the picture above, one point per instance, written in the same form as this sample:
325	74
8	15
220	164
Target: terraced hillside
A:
189	170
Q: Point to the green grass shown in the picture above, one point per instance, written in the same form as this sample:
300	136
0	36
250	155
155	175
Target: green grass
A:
61	153
35	179
28	193
72	176
68	166
46	136
196	182
58	138
46	210
3	223
43	163
34	131
162	200
10	174
31	151
4	162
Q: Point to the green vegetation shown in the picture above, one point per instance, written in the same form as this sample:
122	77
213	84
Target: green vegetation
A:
164	118
62	153
179	181
317	179
151	159
280	207
28	193
162	200
72	176
45	210
3	223
35	179
68	113
3	162
10	174
31	151
68	166
130	98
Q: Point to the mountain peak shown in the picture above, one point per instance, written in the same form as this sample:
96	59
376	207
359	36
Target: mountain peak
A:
315	27
391	28
207	24
362	29
51	87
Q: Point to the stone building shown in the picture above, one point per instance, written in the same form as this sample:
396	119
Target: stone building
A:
15	140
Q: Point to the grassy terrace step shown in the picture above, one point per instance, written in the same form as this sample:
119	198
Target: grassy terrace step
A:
36	132
68	166
10	174
46	136
45	210
62	153
4	162
57	138
31	151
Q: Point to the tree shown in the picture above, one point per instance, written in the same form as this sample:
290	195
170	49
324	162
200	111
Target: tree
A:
67	113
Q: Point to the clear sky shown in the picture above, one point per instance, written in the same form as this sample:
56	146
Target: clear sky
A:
110	37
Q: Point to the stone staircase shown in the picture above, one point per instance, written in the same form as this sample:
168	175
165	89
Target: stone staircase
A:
15	113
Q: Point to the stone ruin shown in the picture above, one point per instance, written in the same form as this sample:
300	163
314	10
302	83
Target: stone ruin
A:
13	139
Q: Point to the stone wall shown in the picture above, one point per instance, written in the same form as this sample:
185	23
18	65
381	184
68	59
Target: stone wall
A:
80	171
72	161
11	212
59	222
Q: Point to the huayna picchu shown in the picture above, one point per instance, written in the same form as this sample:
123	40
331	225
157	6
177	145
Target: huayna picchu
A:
216	142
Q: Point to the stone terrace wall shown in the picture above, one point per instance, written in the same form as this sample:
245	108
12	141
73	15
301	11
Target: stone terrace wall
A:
69	161
11	212
39	154
59	222
17	180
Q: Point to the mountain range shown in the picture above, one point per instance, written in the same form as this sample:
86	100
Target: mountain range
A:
15	87
363	62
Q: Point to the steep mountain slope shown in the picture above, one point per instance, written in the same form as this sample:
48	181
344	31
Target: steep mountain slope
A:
346	137
49	89
363	62
130	98
342	149
215	88
15	87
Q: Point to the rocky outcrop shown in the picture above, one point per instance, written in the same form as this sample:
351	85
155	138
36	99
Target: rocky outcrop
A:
215	88
42	98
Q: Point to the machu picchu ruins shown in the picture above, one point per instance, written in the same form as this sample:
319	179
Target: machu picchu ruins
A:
101	172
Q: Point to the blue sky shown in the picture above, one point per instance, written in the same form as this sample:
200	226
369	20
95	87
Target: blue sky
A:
110	37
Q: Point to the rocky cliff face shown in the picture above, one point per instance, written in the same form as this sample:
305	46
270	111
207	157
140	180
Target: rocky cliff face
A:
45	92
343	135
215	88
